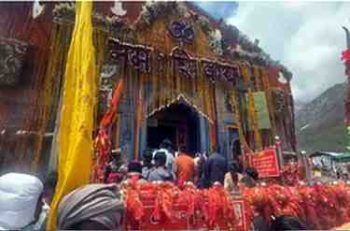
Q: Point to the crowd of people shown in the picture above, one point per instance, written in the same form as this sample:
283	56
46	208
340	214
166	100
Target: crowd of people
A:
164	164
24	199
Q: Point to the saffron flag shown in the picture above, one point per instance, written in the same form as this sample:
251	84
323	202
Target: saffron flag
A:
75	143
110	115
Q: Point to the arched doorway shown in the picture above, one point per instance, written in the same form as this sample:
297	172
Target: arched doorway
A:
179	123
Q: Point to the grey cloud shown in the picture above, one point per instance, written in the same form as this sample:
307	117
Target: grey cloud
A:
306	37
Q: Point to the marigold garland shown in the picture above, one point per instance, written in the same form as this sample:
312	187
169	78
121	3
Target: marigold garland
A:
208	207
320	206
292	173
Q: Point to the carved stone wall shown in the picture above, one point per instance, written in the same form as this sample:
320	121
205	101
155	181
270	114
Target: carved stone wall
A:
24	54
12	55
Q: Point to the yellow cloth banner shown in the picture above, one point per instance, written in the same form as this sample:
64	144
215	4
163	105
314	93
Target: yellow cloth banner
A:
262	112
75	143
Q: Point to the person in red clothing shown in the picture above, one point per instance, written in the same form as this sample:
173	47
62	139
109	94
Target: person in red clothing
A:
184	167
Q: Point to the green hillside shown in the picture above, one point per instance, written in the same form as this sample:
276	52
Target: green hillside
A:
320	123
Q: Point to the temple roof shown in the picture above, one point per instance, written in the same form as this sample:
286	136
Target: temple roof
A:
248	49
228	39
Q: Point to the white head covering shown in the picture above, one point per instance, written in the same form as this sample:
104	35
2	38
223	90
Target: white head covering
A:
19	194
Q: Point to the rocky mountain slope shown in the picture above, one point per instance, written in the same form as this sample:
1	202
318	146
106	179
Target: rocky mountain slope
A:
320	123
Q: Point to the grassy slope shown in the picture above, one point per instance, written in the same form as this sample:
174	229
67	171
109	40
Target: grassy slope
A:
325	116
332	138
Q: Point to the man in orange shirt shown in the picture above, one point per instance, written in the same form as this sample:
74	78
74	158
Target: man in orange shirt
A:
184	167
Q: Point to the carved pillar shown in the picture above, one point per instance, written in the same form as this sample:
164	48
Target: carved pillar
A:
203	134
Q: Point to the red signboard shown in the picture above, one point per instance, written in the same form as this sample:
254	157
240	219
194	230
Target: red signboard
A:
266	163
241	222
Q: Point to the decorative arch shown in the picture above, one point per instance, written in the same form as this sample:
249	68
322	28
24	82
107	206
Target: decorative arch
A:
182	99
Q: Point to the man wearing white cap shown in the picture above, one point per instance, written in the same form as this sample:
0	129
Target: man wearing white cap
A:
20	200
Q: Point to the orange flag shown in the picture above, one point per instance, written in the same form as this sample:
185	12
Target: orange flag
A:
112	110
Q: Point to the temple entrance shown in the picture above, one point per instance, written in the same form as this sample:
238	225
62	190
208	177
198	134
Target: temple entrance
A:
179	123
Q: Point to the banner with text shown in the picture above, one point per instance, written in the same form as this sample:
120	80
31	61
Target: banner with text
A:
266	163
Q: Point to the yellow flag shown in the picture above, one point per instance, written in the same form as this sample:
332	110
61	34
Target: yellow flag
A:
75	143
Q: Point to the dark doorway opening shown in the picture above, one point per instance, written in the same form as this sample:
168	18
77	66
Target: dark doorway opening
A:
234	143
179	123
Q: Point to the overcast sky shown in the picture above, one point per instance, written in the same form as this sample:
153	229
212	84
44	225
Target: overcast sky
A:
305	36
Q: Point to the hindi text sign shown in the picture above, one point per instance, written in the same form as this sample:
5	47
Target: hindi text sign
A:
266	163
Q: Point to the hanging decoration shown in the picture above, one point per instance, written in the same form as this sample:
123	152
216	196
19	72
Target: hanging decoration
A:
292	173
322	207
237	117
50	90
165	206
102	145
261	109
254	121
252	117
